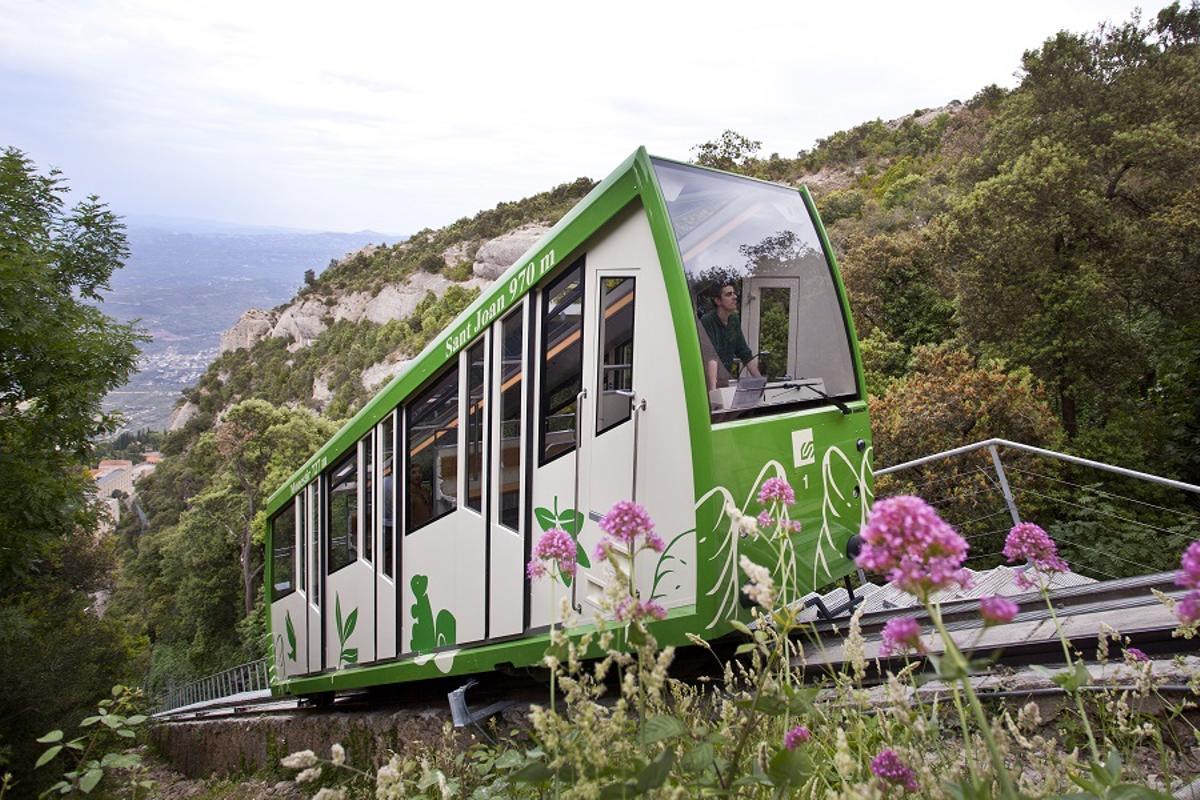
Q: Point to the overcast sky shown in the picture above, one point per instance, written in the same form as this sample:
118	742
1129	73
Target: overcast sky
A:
400	115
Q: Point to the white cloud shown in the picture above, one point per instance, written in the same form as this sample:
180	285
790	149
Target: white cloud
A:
396	116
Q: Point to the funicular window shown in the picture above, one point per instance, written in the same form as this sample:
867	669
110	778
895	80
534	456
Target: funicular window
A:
343	513
433	452
768	315
562	361
476	409
615	405
368	449
512	350
387	468
283	546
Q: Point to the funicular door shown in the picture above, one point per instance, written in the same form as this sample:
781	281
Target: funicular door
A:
386	630
316	575
507	458
560	352
349	601
442	574
608	426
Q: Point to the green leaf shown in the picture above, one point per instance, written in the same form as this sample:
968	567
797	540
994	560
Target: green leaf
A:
789	767
660	728
120	760
112	721
571	521
136	719
350	655
48	756
291	637
581	556
699	758
534	772
337	616
742	649
51	737
351	622
545	518
655	773
128	734
509	759
740	627
90	779
89	721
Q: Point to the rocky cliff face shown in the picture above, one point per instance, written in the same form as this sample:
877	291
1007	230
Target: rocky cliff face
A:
310	314
307	317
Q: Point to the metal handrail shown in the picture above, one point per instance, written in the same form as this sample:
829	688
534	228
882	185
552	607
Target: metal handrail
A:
249	677
1083	462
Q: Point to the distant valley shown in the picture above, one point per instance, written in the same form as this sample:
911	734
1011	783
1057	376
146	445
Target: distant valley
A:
189	280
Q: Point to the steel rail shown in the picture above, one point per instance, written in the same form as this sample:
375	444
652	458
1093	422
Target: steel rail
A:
1083	462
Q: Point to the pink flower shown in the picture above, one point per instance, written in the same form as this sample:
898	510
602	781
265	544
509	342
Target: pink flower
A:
629	609
535	569
901	635
917	550
793	525
1028	542
626	521
1188	609
796	737
1189	575
888	766
997	610
655	542
557	546
1134	654
776	489
765	520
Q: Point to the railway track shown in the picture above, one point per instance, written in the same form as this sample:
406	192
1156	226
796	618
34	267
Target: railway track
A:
1126	605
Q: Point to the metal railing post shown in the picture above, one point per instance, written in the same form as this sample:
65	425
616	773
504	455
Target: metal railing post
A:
1008	496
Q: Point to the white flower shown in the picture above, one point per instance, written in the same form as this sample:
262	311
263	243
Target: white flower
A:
337	754
330	794
739	523
301	760
760	589
309	775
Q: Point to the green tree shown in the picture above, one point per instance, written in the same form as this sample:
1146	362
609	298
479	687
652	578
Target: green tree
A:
59	356
731	151
1076	255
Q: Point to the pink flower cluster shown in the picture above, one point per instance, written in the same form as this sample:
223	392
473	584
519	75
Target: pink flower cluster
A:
1133	654
997	610
555	547
888	766
627	522
796	737
900	635
1188	609
765	520
776	489
629	609
1028	542
916	549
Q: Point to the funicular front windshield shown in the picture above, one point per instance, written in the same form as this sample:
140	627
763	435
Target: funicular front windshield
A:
768	316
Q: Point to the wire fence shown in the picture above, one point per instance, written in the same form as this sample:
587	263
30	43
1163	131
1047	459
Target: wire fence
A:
1109	522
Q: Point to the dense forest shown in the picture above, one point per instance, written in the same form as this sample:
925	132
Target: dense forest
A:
1024	264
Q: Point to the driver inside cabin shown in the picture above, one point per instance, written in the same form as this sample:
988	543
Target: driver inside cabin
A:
723	328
